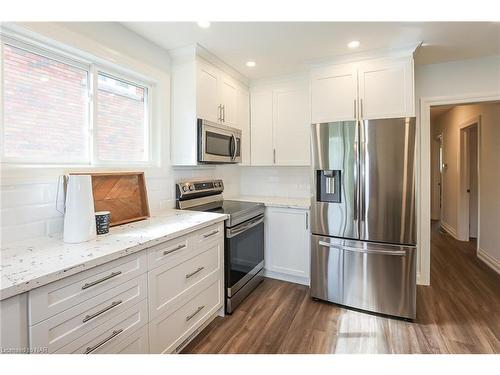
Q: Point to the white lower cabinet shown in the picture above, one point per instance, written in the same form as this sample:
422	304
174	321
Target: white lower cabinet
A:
287	244
154	301
170	332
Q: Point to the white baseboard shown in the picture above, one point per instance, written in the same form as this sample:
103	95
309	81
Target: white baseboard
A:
447	227
489	260
286	277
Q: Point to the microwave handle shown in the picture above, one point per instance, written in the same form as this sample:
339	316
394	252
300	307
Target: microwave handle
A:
233	140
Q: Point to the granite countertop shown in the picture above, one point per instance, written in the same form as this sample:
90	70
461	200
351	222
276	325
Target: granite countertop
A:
302	203
26	265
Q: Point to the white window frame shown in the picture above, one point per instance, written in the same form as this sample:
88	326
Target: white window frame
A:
93	68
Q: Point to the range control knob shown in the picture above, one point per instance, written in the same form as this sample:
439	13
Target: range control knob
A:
184	188
191	187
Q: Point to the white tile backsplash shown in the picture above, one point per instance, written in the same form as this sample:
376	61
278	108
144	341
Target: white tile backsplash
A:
29	210
289	182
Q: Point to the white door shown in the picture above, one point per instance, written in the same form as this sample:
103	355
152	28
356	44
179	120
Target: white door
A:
334	94
291	125
243	123
207	88
386	89
261	108
287	244
228	100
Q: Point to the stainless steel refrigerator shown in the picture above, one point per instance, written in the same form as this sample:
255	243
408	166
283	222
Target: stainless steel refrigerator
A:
363	252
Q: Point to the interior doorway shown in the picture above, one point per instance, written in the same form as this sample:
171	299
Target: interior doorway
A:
469	176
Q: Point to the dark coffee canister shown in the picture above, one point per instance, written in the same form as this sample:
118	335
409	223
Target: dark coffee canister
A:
102	219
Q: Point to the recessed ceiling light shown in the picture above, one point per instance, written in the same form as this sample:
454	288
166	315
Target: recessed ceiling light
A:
250	64
204	24
353	44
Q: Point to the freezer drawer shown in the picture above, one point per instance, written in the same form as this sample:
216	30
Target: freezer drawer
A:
380	278
370	276
326	270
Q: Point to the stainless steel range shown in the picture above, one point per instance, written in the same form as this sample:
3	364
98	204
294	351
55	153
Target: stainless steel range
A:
244	235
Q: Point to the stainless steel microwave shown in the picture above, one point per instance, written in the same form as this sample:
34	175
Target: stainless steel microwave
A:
218	143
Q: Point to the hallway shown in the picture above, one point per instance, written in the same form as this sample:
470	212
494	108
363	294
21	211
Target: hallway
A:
458	313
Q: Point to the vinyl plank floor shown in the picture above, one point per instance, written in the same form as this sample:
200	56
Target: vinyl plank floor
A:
458	313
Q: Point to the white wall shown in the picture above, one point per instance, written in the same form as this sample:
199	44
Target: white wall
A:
449	125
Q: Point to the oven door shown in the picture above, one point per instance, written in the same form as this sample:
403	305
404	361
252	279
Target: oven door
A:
244	253
218	143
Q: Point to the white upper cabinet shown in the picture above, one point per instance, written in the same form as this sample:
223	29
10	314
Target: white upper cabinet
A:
291	125
207	87
203	88
243	123
228	100
386	89
280	123
334	94
371	89
261	106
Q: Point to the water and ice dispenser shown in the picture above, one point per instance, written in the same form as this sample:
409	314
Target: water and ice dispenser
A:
328	185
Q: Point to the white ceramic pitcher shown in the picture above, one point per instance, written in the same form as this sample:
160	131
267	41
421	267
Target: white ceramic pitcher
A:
79	216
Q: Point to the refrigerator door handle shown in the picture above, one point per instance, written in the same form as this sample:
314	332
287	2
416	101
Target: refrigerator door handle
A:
356	177
366	251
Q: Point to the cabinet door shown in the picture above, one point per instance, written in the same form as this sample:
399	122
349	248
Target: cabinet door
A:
334	94
386	89
291	121
228	100
207	98
262	127
243	123
287	244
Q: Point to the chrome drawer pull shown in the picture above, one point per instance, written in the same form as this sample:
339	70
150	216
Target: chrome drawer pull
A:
194	272
92	316
211	233
90	349
364	251
189	317
110	276
166	252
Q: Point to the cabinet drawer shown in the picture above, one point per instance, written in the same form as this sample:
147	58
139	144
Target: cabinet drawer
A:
172	284
111	332
167	331
179	249
58	296
61	329
135	343
209	234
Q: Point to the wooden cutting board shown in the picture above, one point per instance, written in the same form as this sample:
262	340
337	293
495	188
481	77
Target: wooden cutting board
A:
124	194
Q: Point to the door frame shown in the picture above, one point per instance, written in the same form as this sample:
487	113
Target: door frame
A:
463	213
424	174
437	141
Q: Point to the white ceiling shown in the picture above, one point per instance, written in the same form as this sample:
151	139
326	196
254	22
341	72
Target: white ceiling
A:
287	47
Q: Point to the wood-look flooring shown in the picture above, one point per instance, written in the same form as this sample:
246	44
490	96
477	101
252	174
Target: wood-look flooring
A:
458	313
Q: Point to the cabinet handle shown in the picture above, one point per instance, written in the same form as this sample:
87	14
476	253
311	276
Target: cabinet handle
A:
182	246
223	113
194	272
90	349
274	156
307	220
94	315
110	276
361	103
191	316
354	108
219	112
206	235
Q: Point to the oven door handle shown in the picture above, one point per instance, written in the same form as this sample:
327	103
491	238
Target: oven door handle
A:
232	232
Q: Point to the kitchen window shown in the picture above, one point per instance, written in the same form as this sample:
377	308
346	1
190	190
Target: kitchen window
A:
60	110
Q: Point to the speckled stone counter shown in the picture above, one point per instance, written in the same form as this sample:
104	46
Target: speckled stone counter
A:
26	265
